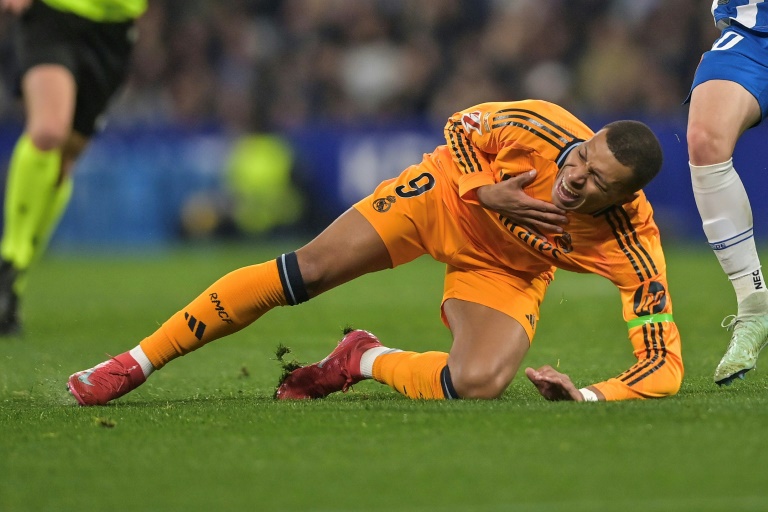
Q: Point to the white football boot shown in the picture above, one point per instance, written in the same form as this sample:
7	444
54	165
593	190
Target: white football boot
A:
750	335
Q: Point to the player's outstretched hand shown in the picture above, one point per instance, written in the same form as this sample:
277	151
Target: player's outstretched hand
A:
509	199
553	385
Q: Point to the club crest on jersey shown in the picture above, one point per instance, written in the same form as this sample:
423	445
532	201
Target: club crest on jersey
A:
383	204
471	122
650	298
564	243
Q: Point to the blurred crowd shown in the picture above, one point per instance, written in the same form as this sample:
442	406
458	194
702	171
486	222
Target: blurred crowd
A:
253	65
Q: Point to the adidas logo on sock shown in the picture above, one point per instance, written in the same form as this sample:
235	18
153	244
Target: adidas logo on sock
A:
197	328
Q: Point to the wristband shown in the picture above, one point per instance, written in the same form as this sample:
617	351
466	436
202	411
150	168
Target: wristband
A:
589	395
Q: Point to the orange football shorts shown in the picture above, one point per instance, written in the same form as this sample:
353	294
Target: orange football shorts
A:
419	212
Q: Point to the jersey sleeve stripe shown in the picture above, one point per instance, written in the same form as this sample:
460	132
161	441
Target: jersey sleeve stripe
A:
622	245
649	372
463	150
626	236
455	148
531	114
637	367
653	336
633	372
534	123
626	230
530	129
622	212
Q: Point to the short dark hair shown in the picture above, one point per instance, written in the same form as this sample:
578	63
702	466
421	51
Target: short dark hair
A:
634	145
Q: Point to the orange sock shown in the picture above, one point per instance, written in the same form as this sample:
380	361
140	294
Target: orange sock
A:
413	374
228	305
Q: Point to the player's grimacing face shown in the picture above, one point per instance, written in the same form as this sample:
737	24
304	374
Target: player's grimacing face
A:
591	178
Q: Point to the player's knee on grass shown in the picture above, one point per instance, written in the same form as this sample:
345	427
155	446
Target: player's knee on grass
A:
473	380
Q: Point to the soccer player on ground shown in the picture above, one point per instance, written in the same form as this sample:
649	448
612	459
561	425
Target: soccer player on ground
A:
729	95
73	55
466	204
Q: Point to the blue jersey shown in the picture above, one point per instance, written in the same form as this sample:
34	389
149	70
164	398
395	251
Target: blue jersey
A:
751	14
740	54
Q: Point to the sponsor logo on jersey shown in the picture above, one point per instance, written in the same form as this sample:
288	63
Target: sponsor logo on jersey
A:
383	204
536	241
650	298
471	122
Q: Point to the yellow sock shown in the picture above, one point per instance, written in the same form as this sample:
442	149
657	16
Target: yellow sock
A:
413	374
30	190
48	223
228	305
60	198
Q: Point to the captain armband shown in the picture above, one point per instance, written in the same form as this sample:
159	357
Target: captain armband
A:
650	319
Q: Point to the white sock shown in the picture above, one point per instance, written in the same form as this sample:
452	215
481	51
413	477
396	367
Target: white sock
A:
746	286
142	359
369	356
726	216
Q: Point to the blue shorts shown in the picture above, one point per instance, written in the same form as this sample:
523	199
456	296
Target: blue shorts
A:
740	55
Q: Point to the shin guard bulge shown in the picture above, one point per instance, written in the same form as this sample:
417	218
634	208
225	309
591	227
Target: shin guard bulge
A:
726	217
228	305
32	182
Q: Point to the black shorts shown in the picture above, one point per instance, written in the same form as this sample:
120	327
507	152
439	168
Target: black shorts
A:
96	53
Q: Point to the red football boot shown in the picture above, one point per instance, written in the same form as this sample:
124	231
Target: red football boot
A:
337	372
106	381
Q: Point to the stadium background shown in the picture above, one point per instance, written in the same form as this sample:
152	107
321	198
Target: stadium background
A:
262	117
342	93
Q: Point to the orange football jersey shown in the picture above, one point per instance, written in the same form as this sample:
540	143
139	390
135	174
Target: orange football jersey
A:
490	142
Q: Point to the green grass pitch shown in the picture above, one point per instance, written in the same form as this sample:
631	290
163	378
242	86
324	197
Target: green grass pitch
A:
205	434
